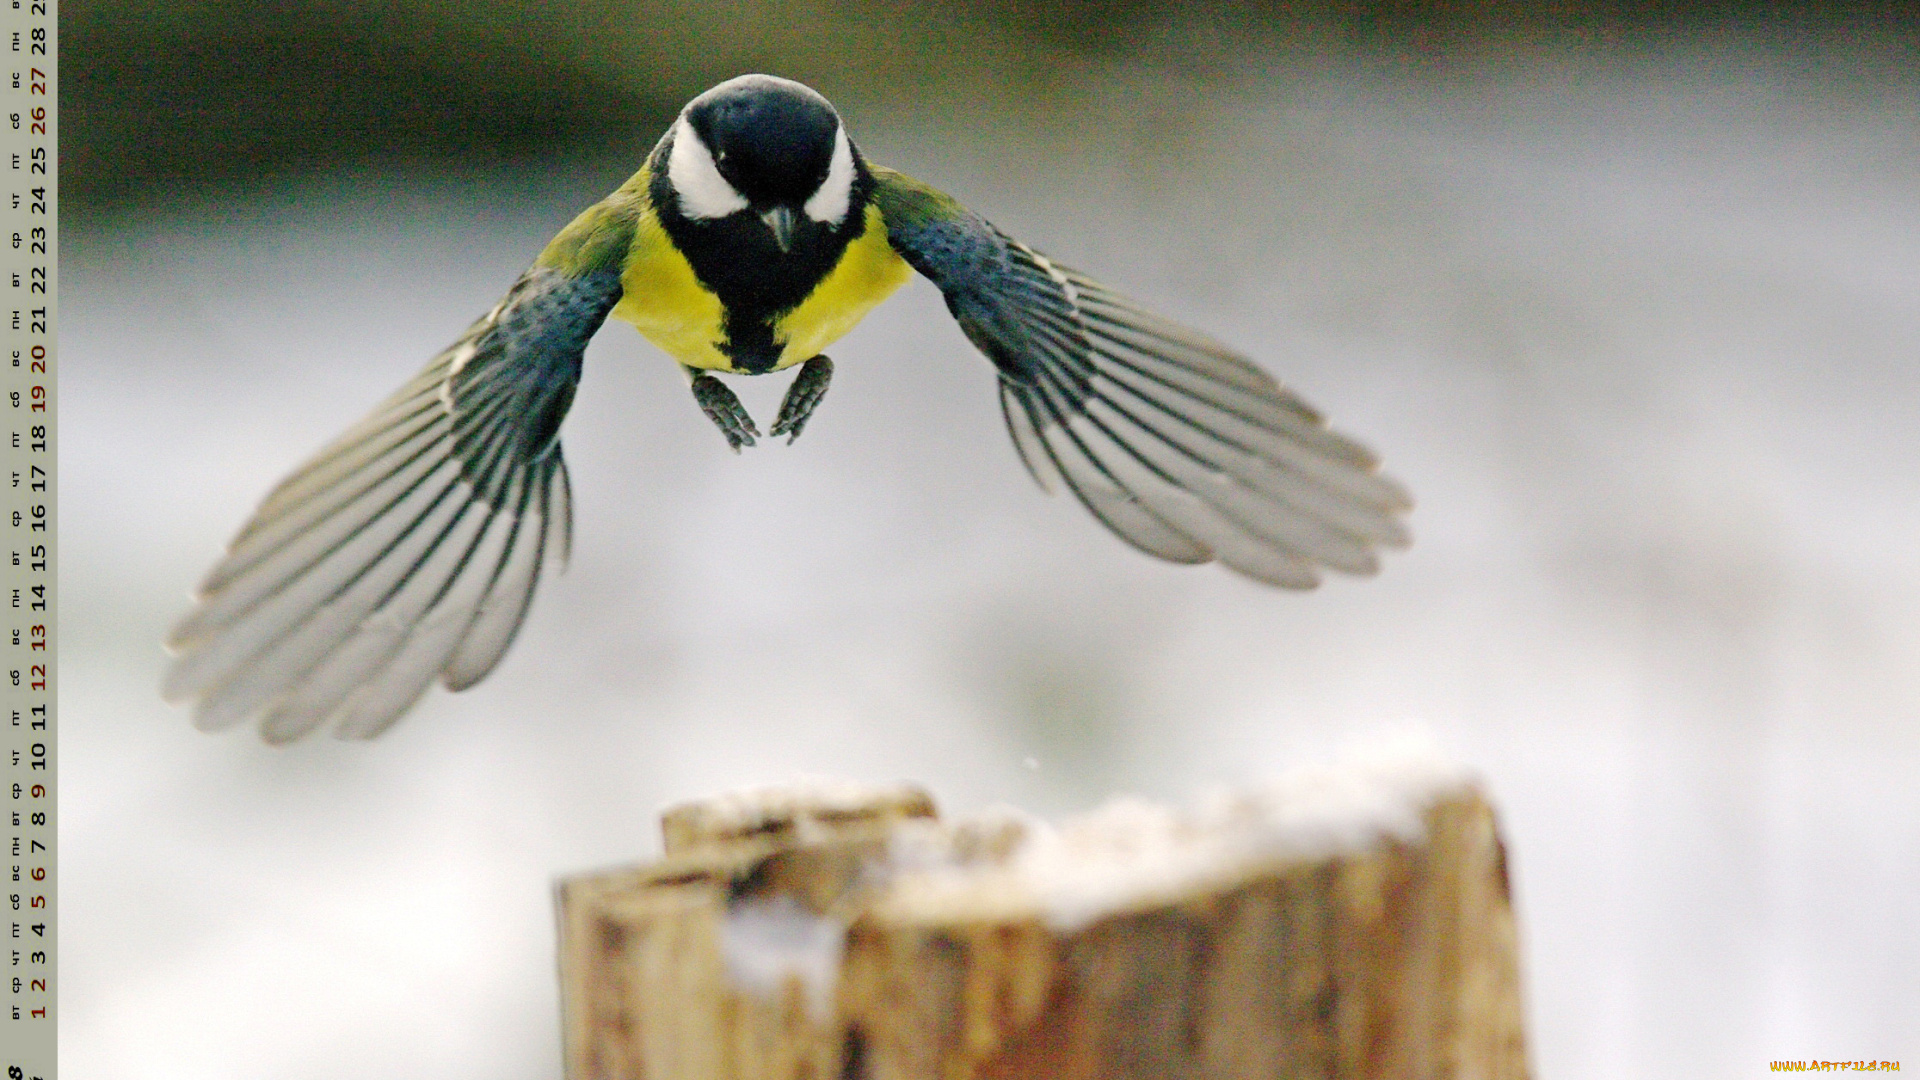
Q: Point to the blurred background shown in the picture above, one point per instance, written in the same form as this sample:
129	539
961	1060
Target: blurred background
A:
1628	294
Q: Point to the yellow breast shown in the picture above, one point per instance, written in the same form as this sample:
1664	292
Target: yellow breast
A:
666	302
867	274
664	299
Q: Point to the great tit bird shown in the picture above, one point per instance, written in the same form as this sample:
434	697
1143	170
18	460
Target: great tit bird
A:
754	236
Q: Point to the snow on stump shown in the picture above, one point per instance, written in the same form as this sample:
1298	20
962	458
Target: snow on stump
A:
1345	922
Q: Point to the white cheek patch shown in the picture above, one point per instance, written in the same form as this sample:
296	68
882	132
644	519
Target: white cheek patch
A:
703	192
829	204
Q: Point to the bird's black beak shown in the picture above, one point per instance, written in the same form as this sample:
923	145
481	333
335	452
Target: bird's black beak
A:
781	221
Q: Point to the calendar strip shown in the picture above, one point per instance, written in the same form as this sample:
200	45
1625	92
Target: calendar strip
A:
28	1045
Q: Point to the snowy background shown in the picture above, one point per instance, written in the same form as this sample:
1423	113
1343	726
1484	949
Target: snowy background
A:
1639	331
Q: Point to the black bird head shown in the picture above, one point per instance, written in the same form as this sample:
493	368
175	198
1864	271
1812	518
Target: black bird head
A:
766	145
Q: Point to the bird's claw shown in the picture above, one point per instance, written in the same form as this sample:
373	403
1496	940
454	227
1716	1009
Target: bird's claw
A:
724	409
803	396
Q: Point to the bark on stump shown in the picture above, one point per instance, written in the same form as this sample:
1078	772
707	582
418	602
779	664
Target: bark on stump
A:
845	934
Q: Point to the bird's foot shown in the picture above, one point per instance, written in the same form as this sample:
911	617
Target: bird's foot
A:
725	410
803	396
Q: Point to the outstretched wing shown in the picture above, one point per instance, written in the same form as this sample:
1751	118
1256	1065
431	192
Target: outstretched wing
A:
408	549
1176	443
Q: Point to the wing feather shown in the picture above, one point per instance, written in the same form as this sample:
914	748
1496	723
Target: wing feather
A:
408	549
1176	443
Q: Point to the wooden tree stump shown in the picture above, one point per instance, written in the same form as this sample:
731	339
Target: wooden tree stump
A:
1349	922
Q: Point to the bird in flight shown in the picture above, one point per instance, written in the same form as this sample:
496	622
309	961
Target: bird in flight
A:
755	235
